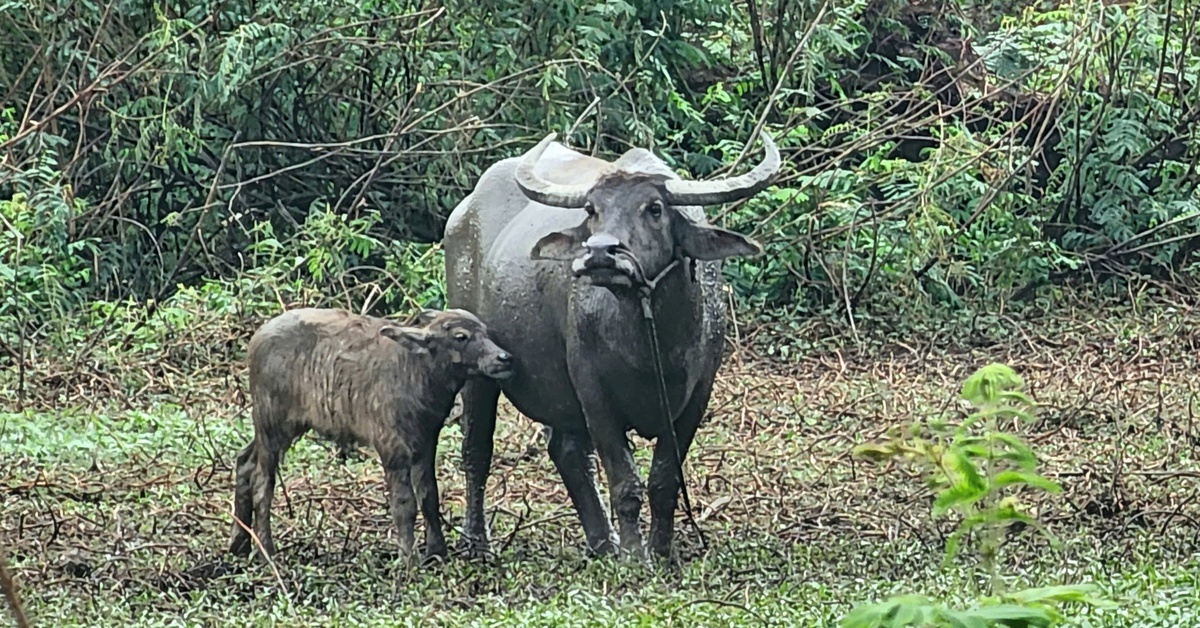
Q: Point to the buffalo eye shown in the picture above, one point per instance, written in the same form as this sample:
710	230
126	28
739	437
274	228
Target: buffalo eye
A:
589	208
654	208
461	335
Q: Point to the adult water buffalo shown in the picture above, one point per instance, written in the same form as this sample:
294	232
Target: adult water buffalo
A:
584	360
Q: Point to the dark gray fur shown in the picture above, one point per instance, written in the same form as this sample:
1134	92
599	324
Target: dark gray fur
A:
582	354
365	381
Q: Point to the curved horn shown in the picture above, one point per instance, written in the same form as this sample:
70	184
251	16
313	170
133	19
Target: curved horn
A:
717	191
543	191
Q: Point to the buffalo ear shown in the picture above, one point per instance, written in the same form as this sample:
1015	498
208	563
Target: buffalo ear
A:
409	338
560	246
712	243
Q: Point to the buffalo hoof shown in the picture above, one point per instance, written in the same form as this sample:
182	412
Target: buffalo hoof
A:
433	560
476	550
635	555
604	549
670	561
664	551
436	551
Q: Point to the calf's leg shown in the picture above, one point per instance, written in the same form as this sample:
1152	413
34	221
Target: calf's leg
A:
479	397
269	450
425	482
243	501
572	456
402	503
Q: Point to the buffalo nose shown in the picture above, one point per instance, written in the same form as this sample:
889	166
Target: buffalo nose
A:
504	357
602	244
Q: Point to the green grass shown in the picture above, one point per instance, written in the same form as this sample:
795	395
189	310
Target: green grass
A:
116	511
1151	599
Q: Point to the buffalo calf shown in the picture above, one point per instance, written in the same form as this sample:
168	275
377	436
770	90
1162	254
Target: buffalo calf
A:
359	380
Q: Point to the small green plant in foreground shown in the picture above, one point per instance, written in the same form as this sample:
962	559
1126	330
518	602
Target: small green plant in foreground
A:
975	467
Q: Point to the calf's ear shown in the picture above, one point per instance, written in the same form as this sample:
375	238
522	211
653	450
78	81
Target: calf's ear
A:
410	339
561	246
712	243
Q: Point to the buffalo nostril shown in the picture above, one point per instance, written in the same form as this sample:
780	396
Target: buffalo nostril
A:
602	243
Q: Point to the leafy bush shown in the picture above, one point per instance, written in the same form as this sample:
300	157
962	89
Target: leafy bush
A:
131	347
44	266
975	467
942	157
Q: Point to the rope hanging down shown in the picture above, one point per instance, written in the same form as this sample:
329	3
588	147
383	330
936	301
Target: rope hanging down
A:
645	292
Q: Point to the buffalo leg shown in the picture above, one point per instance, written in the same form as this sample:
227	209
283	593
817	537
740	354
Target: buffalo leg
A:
479	427
402	503
425	482
243	501
572	456
664	470
624	486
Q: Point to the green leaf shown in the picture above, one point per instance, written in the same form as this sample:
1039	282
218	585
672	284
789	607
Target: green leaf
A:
875	453
959	619
1009	478
1011	615
1076	593
986	385
901	610
1023	455
956	496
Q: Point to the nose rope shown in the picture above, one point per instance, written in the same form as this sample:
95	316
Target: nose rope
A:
648	285
645	293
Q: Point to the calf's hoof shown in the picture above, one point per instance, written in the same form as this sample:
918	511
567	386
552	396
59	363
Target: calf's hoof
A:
240	546
264	552
407	560
406	570
264	559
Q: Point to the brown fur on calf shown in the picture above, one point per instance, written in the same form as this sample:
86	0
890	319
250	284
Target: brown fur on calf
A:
362	380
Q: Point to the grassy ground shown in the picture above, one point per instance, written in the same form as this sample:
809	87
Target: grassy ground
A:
115	511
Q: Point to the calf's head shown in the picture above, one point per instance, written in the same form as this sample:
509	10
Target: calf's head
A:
459	337
633	231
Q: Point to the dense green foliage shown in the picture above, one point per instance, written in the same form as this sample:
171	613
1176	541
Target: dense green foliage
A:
945	153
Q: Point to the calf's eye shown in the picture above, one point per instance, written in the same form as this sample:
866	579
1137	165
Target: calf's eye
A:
655	208
461	336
